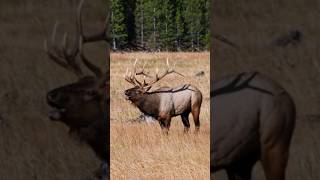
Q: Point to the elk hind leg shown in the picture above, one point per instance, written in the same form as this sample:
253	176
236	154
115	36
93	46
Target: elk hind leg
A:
240	173
275	144
185	121
274	162
195	113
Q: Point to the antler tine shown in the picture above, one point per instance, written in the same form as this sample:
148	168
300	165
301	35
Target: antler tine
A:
69	58
134	67
97	71
66	54
131	79
79	19
126	73
167	71
135	62
172	70
64	46
53	38
144	64
99	36
54	32
126	76
56	55
142	71
81	40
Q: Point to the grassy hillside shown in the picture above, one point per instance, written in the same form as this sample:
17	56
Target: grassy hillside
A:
32	147
141	151
253	26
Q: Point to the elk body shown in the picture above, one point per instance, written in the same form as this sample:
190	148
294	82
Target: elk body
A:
165	103
253	119
83	105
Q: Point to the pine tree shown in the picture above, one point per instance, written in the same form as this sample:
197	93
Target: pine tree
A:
167	25
181	27
119	34
140	16
129	20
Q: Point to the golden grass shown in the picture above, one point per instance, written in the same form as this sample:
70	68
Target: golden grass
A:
253	25
141	151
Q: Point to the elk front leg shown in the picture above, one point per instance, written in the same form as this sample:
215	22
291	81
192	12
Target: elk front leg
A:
165	124
185	120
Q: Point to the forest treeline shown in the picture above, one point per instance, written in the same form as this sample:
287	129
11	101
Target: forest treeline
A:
160	25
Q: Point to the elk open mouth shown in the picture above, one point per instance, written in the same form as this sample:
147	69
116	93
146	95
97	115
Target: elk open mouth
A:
57	113
126	97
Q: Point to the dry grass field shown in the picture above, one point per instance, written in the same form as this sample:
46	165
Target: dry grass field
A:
32	146
140	150
253	25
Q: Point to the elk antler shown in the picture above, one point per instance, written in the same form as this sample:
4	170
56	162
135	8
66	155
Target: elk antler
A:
60	55
66	57
99	36
141	72
166	72
131	77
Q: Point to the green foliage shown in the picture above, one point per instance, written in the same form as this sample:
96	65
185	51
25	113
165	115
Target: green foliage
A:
166	25
118	29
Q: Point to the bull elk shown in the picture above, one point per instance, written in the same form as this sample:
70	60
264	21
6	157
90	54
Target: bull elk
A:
83	105
164	103
252	120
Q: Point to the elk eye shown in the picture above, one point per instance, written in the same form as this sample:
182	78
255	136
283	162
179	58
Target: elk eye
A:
89	95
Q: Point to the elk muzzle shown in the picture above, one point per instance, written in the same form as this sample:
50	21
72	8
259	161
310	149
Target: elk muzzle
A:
126	95
55	100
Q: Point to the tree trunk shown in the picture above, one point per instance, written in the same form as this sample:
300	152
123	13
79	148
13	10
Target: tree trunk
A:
154	29
142	25
166	42
114	44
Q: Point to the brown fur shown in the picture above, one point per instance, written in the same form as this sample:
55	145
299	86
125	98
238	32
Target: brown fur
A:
86	114
253	120
150	103
83	116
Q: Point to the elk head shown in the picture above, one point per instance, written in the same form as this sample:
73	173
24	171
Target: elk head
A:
141	88
80	103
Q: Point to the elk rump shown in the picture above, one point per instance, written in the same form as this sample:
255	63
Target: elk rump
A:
253	119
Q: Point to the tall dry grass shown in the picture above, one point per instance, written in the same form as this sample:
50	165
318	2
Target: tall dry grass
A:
141	151
32	146
253	25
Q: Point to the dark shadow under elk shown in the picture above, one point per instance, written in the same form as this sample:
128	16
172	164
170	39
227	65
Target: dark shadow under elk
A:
83	105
